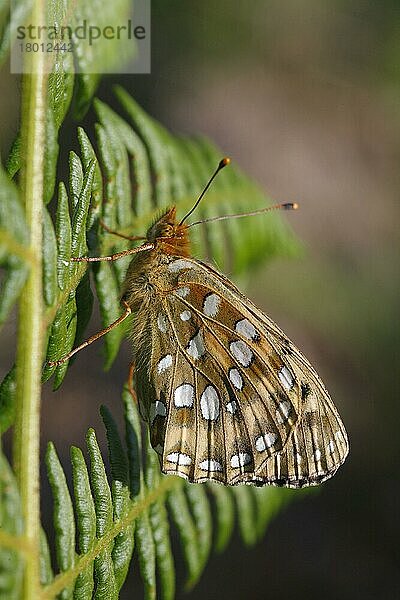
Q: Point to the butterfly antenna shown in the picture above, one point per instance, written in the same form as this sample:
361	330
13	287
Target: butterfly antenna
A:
223	163
282	206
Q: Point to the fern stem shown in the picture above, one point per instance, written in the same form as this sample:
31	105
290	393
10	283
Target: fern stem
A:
30	331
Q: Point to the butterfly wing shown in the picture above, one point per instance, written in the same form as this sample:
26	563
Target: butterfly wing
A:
224	397
318	445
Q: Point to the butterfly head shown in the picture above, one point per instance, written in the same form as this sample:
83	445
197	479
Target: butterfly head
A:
168	235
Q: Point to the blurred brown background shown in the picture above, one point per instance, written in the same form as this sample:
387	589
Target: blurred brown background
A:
304	96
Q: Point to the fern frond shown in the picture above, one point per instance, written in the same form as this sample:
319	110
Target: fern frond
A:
14	257
11	561
128	511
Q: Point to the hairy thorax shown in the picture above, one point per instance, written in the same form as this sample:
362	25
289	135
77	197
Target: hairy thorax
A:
147	283
147	280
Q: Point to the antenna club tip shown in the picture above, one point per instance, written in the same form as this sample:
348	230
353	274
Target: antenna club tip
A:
290	206
224	162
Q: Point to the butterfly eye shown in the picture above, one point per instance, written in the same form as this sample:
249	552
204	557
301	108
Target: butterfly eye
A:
165	230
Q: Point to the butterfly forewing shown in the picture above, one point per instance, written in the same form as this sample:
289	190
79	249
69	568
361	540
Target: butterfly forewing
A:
227	396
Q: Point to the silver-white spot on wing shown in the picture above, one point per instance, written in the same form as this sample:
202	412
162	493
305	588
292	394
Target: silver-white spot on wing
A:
236	379
240	460
286	378
246	329
209	403
162	323
241	352
164	363
211	305
184	395
157	408
178	265
210	465
231	407
179	458
339	437
283	412
183	292
196	347
278	465
331	447
266	441
186	315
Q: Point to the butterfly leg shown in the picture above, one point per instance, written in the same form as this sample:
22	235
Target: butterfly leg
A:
147	246
94	337
131	389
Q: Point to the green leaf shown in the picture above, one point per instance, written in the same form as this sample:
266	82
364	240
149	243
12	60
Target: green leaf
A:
160	527
63	516
109	301
61	79
180	513
89	156
148	131
133	442
200	509
13	163
49	260
79	216
50	156
246	509
100	486
63	236
75	178
139	162
46	573
106	586
84	306
11	563
143	533
146	554
68	318
86	522
7	400
13	236
123	543
117	167
225	515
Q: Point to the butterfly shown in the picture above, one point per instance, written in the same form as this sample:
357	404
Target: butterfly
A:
227	396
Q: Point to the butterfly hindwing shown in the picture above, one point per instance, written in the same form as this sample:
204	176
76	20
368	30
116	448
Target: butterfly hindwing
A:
227	396
319	443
